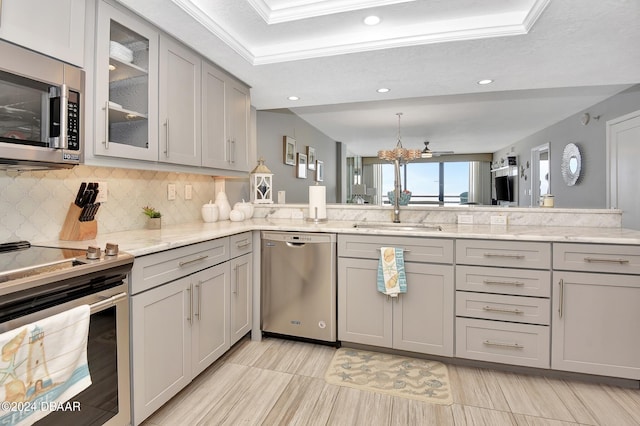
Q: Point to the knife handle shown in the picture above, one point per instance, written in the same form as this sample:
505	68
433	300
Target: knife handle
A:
80	195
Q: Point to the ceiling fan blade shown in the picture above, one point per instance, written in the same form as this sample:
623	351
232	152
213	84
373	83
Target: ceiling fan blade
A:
434	153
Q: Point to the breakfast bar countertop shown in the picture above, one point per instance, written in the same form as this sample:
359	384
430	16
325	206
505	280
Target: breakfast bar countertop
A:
141	242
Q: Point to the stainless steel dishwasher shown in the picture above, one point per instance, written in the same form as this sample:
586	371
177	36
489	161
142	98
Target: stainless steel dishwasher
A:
298	285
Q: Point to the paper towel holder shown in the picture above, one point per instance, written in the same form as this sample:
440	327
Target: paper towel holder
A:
315	218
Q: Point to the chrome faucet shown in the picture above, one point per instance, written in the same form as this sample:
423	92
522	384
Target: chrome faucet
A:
396	191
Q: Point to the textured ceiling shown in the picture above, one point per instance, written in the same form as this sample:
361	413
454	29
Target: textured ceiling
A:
549	59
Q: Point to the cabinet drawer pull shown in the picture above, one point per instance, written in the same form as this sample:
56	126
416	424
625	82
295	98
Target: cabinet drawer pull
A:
188	262
510	256
190	316
503	345
403	250
242	244
561	297
199	304
602	260
106	125
492	282
166	148
494	309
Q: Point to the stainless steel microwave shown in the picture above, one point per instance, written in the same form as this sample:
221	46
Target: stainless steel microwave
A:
40	111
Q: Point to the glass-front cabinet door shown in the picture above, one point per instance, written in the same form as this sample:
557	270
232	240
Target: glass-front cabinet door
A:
126	86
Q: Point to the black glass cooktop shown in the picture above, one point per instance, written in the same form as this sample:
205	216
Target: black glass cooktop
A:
20	259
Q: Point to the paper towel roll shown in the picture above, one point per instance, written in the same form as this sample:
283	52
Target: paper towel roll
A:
317	200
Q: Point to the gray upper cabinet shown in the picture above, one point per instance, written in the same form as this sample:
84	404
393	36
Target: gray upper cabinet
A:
157	100
126	119
215	150
52	27
179	110
225	121
238	104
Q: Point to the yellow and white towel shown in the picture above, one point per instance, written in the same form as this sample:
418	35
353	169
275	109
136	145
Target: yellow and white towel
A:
392	278
42	365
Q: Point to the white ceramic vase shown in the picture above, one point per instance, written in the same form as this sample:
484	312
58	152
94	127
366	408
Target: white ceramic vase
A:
224	208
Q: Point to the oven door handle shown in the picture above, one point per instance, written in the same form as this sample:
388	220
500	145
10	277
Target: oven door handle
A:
107	302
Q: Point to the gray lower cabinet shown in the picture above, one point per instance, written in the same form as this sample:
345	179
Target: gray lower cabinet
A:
178	330
420	320
188	306
241	296
596	313
503	302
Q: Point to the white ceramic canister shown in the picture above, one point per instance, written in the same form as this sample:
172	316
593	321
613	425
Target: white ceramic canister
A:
236	215
224	208
244	207
210	212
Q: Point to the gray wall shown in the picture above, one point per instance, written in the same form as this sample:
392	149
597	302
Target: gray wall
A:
590	190
271	127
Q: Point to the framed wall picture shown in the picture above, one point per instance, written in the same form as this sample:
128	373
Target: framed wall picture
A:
311	157
289	150
319	171
301	171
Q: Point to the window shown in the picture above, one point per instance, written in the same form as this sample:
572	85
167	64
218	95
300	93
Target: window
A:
429	182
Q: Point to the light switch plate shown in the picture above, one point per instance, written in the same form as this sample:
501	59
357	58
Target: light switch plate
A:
171	191
465	218
188	192
498	220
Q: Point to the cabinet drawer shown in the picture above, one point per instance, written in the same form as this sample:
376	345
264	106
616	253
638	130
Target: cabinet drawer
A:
528	310
503	342
417	249
240	244
514	254
520	282
617	259
159	268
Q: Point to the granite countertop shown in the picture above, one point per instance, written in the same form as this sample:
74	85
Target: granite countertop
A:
143	241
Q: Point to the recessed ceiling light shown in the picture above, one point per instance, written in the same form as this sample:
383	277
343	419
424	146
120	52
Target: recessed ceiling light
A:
372	20
383	90
293	98
486	81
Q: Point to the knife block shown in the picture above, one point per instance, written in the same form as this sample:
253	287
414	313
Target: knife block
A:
74	230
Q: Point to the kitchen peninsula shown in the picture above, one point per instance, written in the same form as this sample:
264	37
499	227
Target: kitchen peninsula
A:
555	282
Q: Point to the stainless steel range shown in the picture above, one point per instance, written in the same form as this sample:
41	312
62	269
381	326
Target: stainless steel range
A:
37	282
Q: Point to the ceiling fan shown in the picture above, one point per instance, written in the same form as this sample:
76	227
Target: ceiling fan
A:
427	153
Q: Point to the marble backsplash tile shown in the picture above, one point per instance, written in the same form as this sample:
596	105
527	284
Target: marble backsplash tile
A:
33	205
602	218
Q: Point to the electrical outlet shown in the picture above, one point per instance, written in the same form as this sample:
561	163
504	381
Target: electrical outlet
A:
171	191
465	218
498	220
188	192
103	191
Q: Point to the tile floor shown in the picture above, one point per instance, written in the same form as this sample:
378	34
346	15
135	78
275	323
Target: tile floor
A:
277	382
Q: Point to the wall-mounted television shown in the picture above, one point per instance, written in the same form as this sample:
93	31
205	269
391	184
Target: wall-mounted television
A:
504	188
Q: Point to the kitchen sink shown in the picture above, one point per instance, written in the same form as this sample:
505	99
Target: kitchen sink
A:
398	226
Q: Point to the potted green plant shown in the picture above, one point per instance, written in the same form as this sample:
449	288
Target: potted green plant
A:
154	221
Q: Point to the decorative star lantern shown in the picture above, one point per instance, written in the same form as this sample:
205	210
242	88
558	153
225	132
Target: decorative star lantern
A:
261	184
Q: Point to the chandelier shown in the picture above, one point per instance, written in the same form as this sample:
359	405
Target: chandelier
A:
399	153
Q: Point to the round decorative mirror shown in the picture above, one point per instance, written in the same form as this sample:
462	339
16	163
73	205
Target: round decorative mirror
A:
571	164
